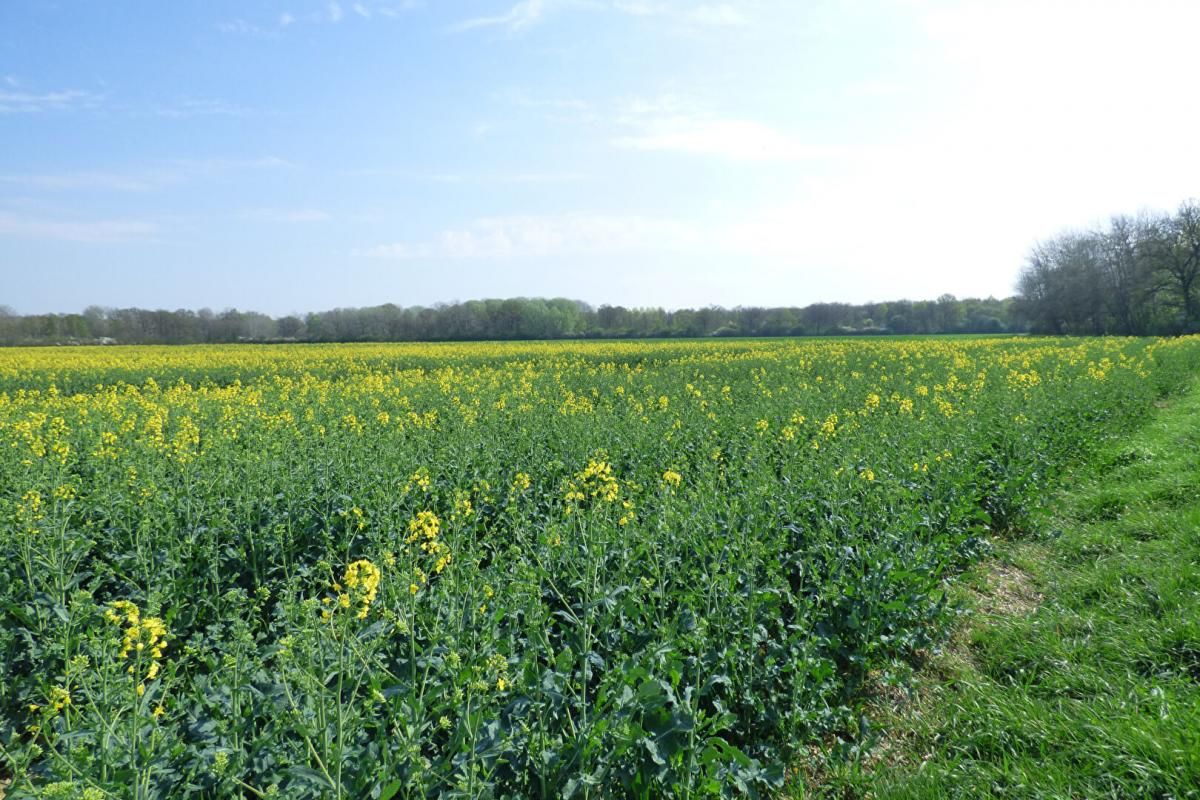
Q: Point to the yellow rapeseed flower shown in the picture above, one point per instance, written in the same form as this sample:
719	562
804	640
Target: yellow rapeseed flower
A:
362	579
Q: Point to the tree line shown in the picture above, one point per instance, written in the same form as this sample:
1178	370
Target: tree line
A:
1137	275
514	318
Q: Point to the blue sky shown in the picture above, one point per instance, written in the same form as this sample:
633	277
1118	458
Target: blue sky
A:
295	156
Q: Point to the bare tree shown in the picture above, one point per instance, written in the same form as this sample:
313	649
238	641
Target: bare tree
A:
1124	268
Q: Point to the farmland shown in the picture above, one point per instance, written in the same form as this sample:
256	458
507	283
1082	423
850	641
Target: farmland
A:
526	569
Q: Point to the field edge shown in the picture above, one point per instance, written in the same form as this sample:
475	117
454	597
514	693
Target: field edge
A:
1076	671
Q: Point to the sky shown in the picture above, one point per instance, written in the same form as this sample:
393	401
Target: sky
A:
303	155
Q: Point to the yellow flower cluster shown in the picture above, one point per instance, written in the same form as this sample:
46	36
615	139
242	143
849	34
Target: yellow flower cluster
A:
185	444
425	528
594	482
362	579
497	665
29	511
143	637
829	426
60	698
355	517
419	480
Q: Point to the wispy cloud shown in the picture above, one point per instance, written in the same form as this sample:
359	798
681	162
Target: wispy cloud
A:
522	15
15	102
738	139
83	180
219	164
240	27
782	230
482	177
722	15
640	8
710	14
533	236
394	10
511	177
290	216
523	99
680	124
91	231
331	12
146	178
198	107
527	13
676	123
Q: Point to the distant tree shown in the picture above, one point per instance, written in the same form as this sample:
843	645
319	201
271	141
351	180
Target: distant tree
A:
686	322
1061	285
949	314
612	320
1134	276
749	321
511	318
289	327
1178	248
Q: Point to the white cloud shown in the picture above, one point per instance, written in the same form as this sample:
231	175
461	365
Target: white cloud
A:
535	177
720	15
287	216
639	8
161	174
83	180
94	231
522	15
208	165
523	99
544	236
482	177
12	102
335	12
240	27
395	10
526	13
511	177
191	107
742	140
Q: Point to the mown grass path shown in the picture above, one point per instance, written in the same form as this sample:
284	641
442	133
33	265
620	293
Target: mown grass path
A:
1078	675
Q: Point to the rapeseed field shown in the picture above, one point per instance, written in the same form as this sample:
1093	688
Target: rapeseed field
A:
503	570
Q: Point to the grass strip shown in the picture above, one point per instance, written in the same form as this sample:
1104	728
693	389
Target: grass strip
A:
1077	674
